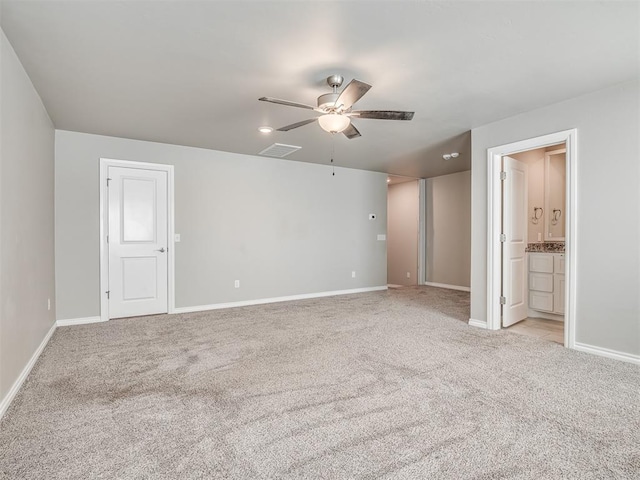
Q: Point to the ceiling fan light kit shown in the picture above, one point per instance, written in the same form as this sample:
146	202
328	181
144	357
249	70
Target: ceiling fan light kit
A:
334	123
336	108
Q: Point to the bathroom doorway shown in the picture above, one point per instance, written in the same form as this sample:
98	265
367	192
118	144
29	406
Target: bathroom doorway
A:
534	231
533	246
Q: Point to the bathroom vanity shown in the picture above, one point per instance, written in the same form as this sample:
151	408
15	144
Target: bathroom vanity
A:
546	283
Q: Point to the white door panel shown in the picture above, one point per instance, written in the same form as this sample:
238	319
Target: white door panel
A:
138	207
138	221
139	278
514	274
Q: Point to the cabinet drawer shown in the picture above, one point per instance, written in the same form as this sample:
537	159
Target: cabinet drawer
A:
558	263
541	262
541	282
541	301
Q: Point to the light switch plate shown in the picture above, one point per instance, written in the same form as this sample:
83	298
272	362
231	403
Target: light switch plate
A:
176	237
382	236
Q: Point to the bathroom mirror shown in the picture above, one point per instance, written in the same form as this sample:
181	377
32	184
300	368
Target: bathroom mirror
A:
555	173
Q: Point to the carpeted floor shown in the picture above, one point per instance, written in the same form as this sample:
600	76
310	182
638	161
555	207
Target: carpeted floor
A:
377	385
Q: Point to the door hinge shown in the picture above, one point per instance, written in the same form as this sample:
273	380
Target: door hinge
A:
503	237
108	292
108	180
503	175
107	238
503	300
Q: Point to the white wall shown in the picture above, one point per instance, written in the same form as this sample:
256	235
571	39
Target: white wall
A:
280	227
402	233
26	219
448	229
608	188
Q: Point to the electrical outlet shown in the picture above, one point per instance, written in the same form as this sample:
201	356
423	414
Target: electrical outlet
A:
237	284
408	274
176	237
353	274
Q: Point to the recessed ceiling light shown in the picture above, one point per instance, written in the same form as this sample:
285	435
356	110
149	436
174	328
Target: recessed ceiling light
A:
265	129
388	180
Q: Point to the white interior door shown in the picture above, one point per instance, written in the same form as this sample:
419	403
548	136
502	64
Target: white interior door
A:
138	233
514	228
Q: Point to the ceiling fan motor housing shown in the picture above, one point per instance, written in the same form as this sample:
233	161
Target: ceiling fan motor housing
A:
327	100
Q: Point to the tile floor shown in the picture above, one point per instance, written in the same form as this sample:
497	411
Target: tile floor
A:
551	330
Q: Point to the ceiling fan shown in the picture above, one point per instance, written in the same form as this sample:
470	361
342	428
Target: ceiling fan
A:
337	108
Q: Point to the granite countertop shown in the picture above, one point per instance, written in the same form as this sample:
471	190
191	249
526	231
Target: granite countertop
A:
545	247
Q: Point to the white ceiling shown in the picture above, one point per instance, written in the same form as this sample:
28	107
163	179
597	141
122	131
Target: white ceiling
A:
191	73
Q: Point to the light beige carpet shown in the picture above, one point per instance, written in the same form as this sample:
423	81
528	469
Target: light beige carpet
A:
379	385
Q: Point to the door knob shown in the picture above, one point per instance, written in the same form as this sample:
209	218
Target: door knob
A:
161	250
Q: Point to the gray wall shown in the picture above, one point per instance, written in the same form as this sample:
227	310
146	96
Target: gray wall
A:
607	243
26	219
402	233
448	229
280	227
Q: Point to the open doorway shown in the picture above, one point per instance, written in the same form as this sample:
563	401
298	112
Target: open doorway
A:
532	277
403	205
533	243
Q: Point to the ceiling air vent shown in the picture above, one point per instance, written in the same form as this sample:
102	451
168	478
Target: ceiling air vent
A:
279	150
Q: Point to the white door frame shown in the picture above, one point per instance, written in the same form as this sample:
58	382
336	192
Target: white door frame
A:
105	163
494	216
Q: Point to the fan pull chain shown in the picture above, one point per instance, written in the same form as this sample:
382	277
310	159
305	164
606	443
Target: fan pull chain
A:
333	145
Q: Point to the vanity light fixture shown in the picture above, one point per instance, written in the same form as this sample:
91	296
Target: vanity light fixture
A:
265	129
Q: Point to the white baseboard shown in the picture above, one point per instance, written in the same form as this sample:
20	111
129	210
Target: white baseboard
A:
15	388
477	323
450	287
78	321
261	301
545	315
605	352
